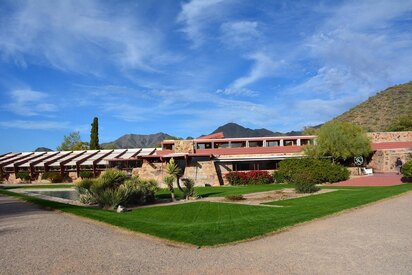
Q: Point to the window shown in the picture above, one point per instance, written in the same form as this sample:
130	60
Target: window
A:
255	143
169	146
238	144
207	145
272	143
221	144
305	142
289	142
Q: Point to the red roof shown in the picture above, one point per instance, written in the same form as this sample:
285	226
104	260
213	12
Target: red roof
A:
213	136
391	145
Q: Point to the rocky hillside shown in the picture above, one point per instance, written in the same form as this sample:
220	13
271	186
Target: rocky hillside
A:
137	141
379	111
233	130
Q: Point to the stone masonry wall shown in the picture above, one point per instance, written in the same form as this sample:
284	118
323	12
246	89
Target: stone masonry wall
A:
184	146
202	172
384	160
390	136
151	171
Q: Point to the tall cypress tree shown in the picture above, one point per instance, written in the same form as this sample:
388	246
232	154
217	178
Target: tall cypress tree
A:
94	135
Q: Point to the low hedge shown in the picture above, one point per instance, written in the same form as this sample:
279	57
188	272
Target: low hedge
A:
407	170
313	171
54	177
24	176
249	177
86	174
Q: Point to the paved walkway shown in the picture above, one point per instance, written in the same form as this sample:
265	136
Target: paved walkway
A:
387	179
371	240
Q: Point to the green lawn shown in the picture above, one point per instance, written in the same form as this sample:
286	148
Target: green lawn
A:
221	191
37	186
208	223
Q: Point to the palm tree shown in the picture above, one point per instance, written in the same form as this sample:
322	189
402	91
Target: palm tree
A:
173	169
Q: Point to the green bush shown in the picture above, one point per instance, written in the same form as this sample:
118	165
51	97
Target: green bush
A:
278	177
52	176
114	188
304	187
148	188
24	176
407	169
188	188
86	174
234	197
311	170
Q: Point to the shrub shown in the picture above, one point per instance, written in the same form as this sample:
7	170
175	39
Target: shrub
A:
24	176
278	177
407	170
168	180
250	177
233	197
111	190
313	171
86	174
304	187
148	188
188	188
52	176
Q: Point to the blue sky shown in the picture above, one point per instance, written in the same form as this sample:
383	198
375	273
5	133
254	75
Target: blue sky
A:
187	67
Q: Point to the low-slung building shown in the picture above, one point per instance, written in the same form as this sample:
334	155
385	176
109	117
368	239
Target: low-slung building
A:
206	159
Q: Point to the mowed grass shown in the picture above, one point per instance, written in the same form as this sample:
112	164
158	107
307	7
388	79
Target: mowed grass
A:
221	191
208	223
37	186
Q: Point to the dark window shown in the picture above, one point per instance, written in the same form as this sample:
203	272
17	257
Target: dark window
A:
221	144
255	143
169	146
272	143
289	142
207	145
238	144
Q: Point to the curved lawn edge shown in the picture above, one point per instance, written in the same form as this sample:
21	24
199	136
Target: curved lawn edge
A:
211	224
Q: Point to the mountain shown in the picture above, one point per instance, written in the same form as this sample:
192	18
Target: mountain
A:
43	149
233	130
380	111
137	141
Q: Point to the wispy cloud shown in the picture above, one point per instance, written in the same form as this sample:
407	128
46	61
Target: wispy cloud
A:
35	125
198	15
83	37
27	102
264	66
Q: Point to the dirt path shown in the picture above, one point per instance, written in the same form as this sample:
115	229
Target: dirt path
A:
371	240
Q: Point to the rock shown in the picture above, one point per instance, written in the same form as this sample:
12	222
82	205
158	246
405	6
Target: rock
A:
121	209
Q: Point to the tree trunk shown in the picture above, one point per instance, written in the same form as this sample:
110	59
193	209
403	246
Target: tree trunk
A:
178	184
172	194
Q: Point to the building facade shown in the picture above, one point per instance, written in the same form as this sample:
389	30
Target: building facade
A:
206	160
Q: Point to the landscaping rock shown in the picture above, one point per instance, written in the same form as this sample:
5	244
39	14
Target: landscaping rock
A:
121	209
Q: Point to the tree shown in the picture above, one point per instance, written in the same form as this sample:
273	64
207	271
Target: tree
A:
173	169
169	179
310	131
94	135
72	142
341	141
403	123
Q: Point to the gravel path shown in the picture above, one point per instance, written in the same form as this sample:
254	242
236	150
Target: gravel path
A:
372	240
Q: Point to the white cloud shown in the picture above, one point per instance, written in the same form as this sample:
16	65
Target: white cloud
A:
26	102
264	66
34	125
78	36
238	92
240	33
198	15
